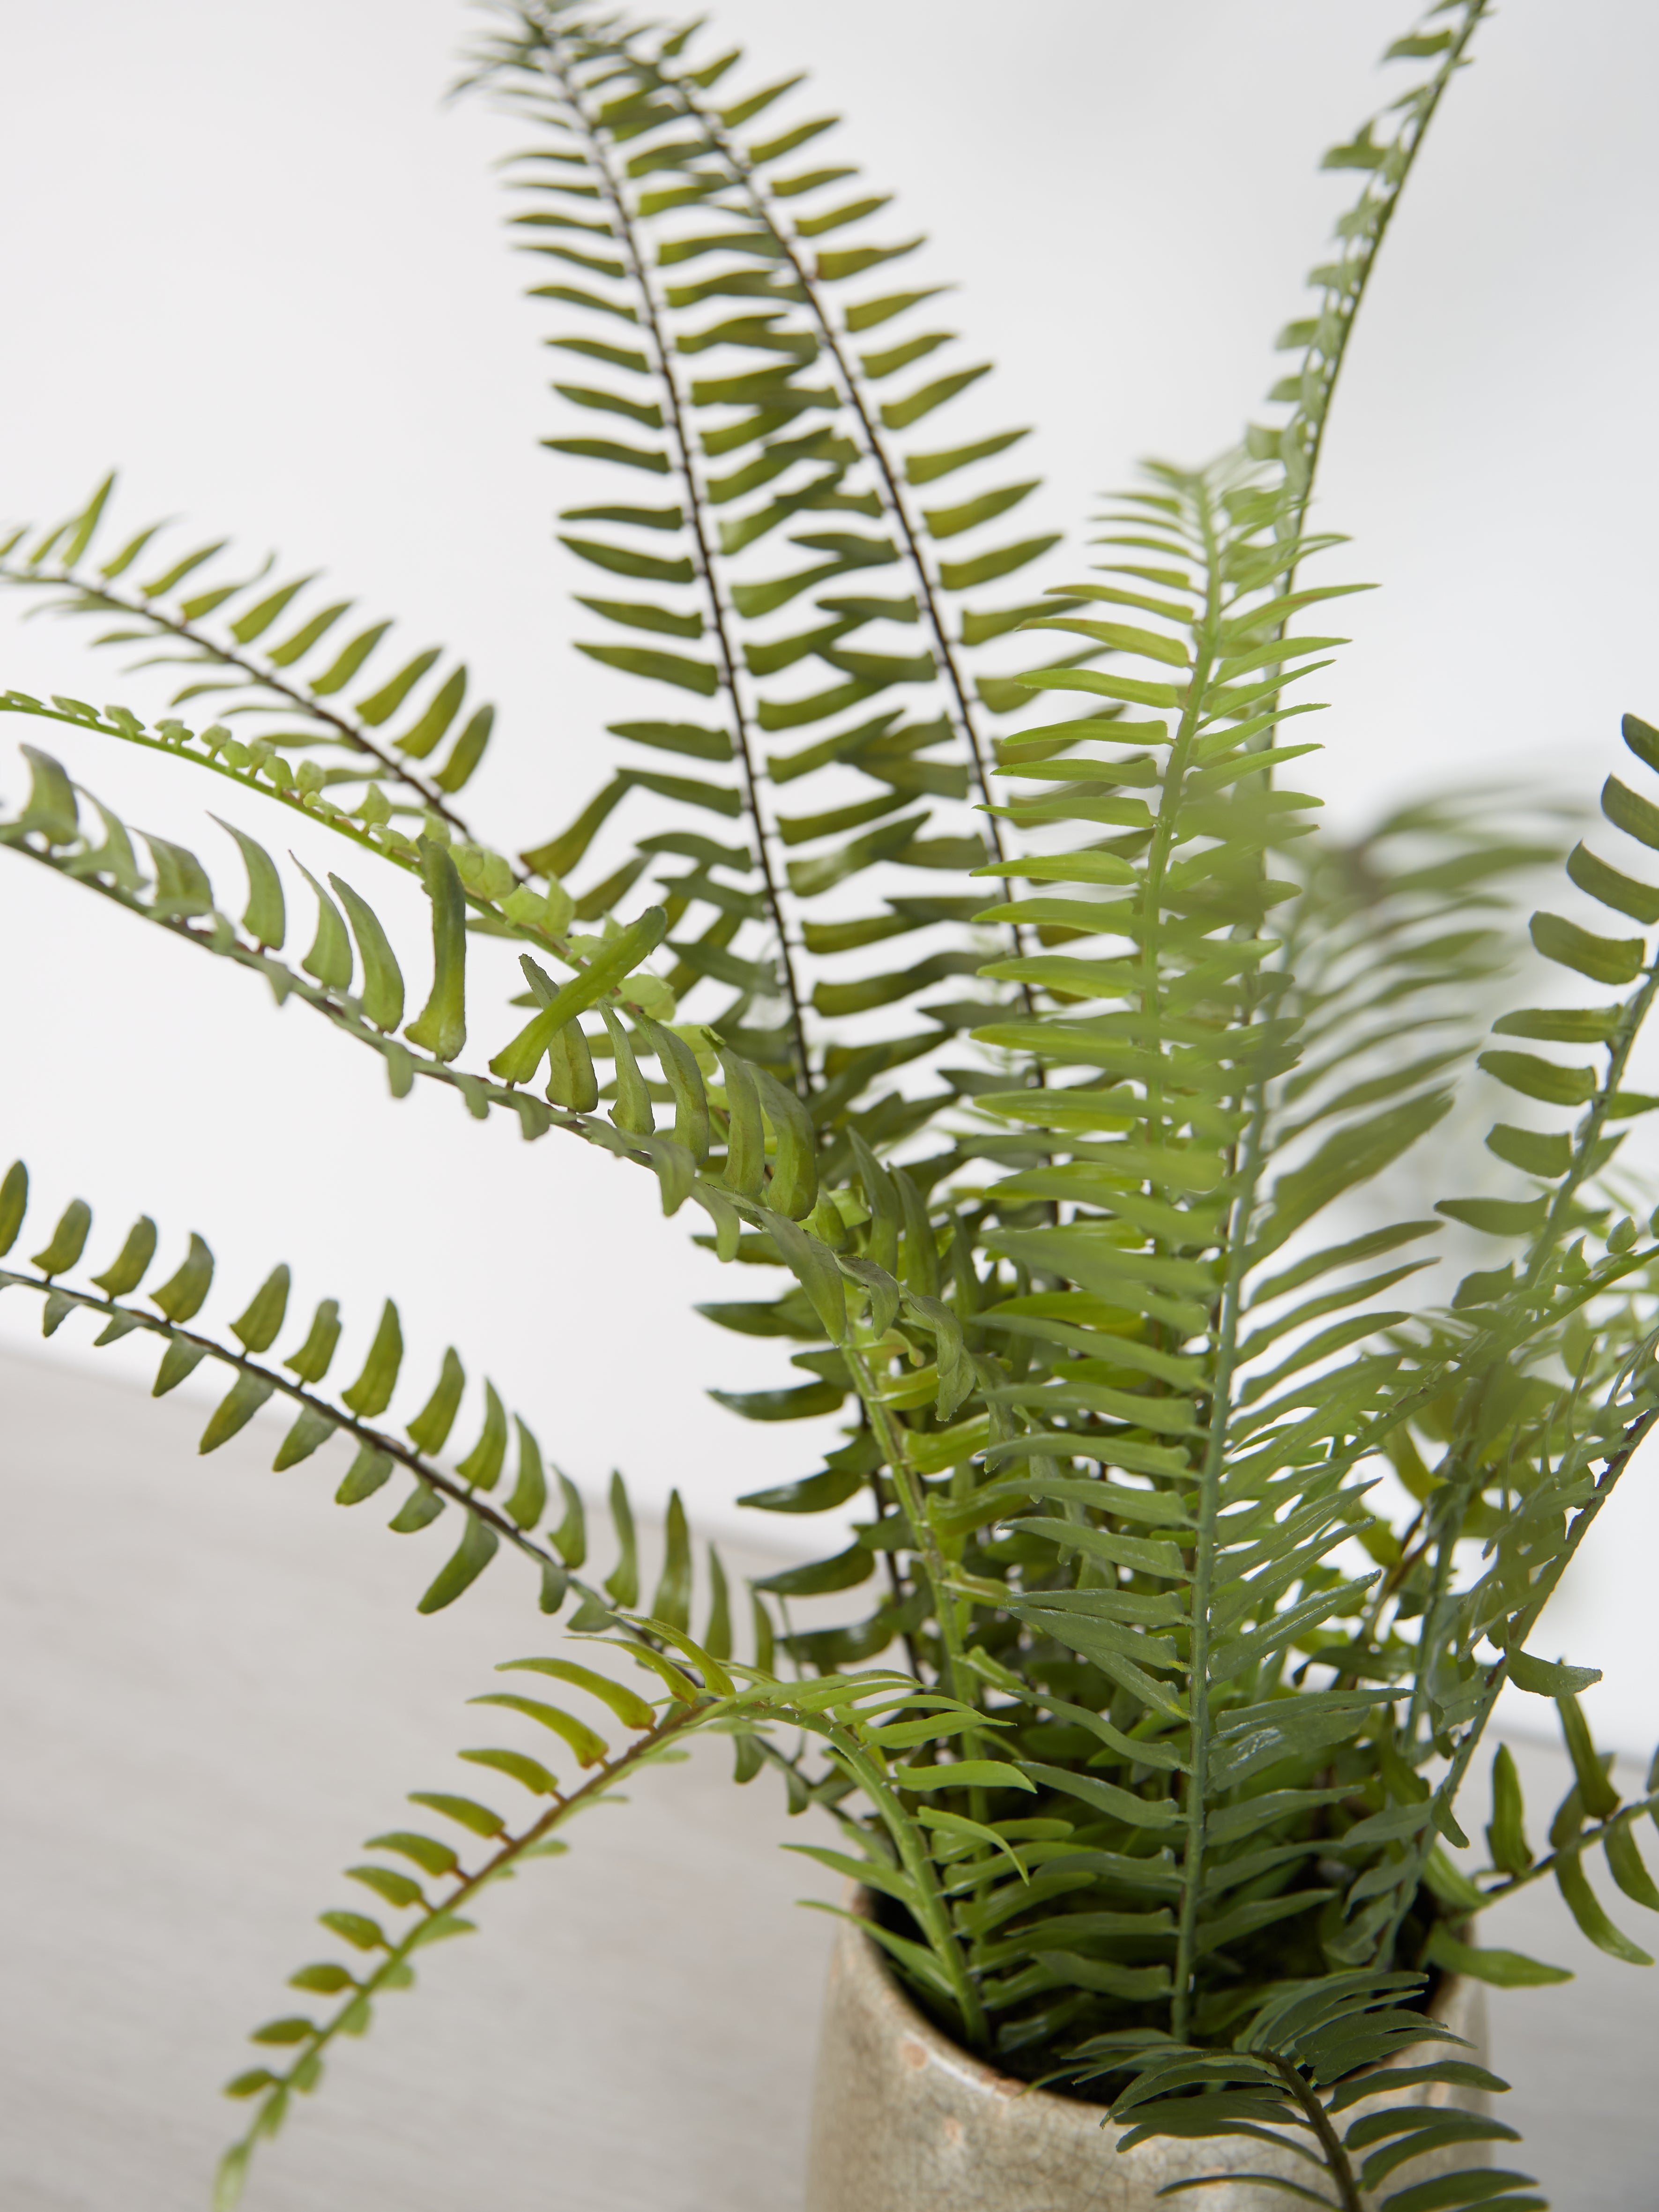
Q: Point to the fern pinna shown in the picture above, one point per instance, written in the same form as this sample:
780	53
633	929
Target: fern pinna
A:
1193	1552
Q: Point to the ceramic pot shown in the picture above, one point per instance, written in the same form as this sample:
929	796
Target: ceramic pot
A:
905	2121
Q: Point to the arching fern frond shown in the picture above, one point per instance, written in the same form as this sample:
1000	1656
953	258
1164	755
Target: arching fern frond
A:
637	164
688	1688
743	1146
270	660
1383	149
493	1510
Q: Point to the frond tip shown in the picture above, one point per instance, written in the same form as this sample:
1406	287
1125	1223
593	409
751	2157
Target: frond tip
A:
219	637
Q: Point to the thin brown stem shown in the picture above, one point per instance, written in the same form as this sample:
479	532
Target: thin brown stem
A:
696	505
1585	1840
372	1438
392	1970
958	704
348	731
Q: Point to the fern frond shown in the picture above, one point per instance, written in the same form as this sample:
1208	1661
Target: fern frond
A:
435	1908
635	163
294	681
691	1691
744	1148
1279	2076
352	1412
1384	150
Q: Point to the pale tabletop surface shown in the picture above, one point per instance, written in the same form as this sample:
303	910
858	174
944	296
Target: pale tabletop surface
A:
214	1686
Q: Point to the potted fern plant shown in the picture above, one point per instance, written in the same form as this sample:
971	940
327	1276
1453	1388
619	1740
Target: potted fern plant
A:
1191	1558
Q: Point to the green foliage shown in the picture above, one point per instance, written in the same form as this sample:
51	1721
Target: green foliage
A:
1296	2068
1196	1549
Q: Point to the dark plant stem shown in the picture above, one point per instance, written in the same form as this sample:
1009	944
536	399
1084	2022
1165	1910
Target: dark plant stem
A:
372	1438
959	705
393	1969
696	504
1585	1840
348	731
1336	2157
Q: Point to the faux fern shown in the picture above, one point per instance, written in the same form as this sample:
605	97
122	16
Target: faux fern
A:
1196	1549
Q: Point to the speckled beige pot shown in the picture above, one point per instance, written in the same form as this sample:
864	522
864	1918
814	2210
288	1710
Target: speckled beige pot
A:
904	2121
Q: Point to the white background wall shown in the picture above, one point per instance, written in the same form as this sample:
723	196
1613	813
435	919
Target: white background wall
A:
251	258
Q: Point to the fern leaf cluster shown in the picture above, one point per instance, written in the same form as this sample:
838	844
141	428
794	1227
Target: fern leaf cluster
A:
729	297
270	659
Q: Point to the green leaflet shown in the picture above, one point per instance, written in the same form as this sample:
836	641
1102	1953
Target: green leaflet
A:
310	1430
367	1473
680	1072
1545	1679
430	1428
672	1600
180	1360
1496	1217
371	1394
528	1499
746	1140
466	752
381	705
471	1556
633	1109
247	1394
717	1635
418	1510
1603	959
68	1240
1621	892
125	1273
985	567
662	667
796	1405
967	514
1574	1885
14	1202
427	732
793	1185
518	1062
441	1028
264	917
51	809
1626	1864
651	459
315	1356
483	1465
383	981
1506	1834
1628	810
182	1295
1596	1789
330	958
350	658
259	1325
570	1537
622	1583
1539	1079
571	1081
811	878
629	1709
